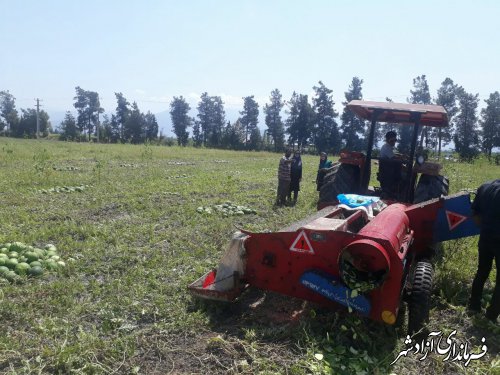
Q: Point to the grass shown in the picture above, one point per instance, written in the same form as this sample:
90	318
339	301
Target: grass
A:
137	241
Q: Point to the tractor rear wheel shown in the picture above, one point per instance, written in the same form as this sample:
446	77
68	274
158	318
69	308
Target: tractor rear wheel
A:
341	180
420	297
430	187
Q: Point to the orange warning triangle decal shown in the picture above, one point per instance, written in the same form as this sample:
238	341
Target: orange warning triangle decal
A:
302	244
454	219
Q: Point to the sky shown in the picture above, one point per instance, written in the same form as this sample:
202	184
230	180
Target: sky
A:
153	50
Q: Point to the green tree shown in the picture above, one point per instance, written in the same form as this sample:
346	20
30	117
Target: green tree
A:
466	137
447	97
122	113
26	127
179	110
219	120
490	123
150	126
353	128
234	136
211	119
9	116
325	132
69	131
249	117
273	119
255	141
205	122
88	106
197	135
300	120
134	127
115	131
106	130
420	95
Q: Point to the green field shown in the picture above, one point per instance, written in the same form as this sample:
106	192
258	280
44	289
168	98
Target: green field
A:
133	240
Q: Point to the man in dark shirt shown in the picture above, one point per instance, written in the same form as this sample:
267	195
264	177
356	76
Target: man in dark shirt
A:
284	178
486	210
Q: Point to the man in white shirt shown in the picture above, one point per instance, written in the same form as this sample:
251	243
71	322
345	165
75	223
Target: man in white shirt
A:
387	150
390	167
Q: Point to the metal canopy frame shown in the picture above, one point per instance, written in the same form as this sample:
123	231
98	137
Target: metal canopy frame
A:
399	113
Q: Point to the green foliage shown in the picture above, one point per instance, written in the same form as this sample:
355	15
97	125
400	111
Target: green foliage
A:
466	137
133	129
233	137
211	121
69	131
26	127
447	97
8	114
147	152
325	132
179	113
274	123
491	123
420	95
300	122
150	127
42	160
89	107
255	141
249	120
122	113
353	128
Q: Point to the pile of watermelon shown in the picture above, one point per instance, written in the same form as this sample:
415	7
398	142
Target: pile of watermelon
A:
18	259
66	168
179	176
63	189
226	209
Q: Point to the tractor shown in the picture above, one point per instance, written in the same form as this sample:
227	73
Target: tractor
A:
370	256
398	178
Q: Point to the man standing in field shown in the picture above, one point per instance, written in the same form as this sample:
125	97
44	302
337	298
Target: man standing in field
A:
486	211
284	178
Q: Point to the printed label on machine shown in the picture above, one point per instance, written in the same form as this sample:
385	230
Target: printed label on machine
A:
302	244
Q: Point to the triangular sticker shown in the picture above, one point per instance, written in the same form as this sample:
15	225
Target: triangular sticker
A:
302	244
454	219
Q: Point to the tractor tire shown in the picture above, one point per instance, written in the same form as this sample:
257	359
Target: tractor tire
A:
341	180
420	297
430	187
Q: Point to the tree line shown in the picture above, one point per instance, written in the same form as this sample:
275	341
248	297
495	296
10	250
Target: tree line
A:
308	123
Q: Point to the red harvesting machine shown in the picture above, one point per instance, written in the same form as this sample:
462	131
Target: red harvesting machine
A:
369	254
